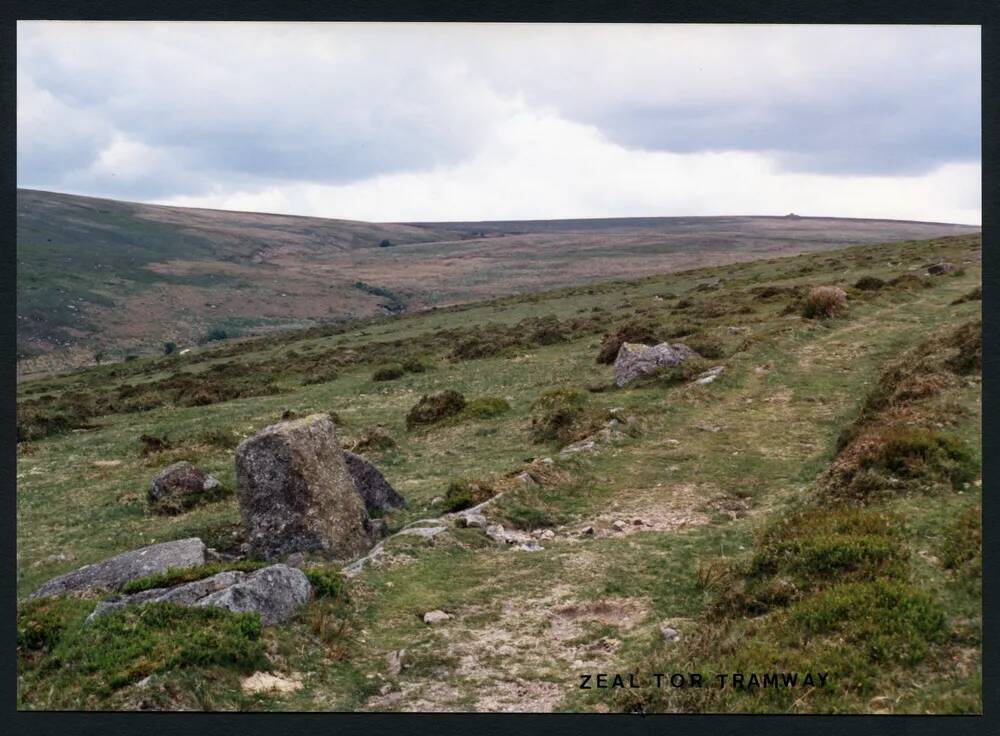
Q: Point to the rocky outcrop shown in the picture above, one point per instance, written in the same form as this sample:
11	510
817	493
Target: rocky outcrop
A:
635	361
182	486
113	573
375	490
296	493
275	592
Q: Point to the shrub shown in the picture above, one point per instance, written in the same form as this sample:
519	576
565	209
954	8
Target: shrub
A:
41	622
214	335
435	407
152	445
388	373
487	407
706	346
908	281
962	547
892	621
320	375
132	643
976	295
869	283
327	582
464	493
968	339
557	414
824	302
414	365
169	348
374	439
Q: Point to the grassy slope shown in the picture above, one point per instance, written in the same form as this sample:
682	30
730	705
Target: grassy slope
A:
100	275
524	624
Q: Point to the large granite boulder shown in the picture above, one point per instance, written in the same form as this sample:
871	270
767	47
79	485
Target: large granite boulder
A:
375	490
113	573
635	361
275	592
296	493
182	486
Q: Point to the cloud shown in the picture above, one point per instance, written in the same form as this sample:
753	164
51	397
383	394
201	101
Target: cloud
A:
301	117
542	166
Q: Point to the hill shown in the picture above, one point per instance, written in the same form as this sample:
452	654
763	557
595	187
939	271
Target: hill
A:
108	278
816	508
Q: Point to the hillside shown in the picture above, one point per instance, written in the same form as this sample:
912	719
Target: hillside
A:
816	508
109	278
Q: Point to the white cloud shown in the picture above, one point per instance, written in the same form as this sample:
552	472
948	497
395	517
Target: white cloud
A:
541	166
403	121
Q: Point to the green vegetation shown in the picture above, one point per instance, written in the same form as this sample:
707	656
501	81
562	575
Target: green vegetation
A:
816	508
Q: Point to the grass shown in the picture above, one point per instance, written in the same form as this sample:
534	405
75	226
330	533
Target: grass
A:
759	439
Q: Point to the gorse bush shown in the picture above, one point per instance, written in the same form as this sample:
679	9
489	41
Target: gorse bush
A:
435	407
559	415
464	493
824	302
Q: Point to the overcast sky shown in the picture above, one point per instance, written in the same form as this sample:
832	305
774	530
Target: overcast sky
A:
394	122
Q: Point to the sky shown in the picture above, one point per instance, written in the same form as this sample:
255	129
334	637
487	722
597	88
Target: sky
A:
433	122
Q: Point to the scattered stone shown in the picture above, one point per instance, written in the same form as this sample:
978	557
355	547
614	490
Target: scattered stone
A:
114	572
182	486
620	526
669	633
107	463
375	490
587	531
296	493
710	375
437	500
474	520
546	461
736	330
435	617
427	532
941	268
585	445
638	522
547	534
672	441
530	546
396	663
275	592
635	360
496	533
264	682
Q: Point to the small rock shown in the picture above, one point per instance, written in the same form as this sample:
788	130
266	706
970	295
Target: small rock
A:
620	526
546	461
265	682
435	617
437	500
587	531
530	546
547	534
496	533
581	446
638	522
710	375
385	689
526	479
396	661
473	520
182	486
669	633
